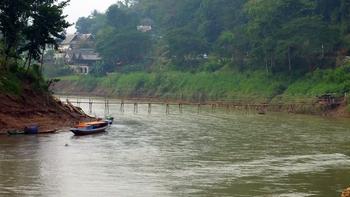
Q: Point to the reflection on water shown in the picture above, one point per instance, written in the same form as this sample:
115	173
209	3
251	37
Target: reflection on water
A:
189	154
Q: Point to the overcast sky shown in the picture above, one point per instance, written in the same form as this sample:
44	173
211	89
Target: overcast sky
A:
78	8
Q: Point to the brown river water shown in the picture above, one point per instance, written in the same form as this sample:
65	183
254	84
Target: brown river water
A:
208	154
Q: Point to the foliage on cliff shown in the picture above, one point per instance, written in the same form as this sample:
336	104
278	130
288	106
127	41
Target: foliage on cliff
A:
27	27
253	86
220	49
288	36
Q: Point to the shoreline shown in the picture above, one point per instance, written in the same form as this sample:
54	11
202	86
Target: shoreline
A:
33	108
307	107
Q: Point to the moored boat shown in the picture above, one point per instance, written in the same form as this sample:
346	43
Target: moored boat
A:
88	128
15	132
110	119
31	130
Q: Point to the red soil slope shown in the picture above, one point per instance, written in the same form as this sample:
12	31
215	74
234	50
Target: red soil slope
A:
16	112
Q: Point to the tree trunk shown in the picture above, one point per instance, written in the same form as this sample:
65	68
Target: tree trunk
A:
42	60
8	48
272	61
7	56
29	62
25	62
5	62
266	65
289	60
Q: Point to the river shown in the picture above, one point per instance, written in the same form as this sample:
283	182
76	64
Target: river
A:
224	153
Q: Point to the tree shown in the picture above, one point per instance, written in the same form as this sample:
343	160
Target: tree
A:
121	48
232	47
275	35
287	31
119	16
91	24
48	24
28	26
185	48
14	14
216	16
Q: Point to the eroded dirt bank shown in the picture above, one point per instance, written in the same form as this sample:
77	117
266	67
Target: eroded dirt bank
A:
70	88
42	109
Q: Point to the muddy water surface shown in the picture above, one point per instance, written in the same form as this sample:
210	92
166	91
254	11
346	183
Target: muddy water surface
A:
189	154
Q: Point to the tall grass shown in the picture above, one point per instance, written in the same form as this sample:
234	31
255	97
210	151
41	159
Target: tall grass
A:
18	78
320	82
10	83
220	85
186	85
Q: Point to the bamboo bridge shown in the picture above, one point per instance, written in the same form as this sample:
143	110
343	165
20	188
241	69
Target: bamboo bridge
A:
313	105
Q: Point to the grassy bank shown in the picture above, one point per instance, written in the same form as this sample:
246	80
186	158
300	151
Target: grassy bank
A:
25	100
222	85
189	86
10	83
15	80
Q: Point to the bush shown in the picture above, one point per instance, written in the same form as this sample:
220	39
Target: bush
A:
17	77
54	71
195	86
321	82
10	83
255	86
212	65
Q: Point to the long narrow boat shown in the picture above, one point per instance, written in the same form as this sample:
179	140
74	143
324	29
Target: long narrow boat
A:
88	128
15	132
19	132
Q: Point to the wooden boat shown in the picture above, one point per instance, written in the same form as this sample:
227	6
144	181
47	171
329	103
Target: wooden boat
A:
15	132
110	119
31	130
48	131
88	128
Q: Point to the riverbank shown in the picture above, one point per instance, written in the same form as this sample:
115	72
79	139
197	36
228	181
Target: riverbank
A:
177	85
248	87
26	100
30	107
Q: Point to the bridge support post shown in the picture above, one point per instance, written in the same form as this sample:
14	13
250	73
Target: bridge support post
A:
149	108
122	106
180	108
136	108
90	105
167	108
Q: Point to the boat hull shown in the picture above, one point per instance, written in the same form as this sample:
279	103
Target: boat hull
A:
31	130
85	131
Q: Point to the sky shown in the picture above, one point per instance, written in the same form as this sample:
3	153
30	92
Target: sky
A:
79	8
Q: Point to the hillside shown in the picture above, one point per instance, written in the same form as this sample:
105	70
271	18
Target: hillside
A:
25	102
220	85
248	87
258	51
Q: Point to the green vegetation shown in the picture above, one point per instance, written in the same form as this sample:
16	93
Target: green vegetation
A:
256	86
27	27
53	71
15	81
278	36
322	81
11	84
268	50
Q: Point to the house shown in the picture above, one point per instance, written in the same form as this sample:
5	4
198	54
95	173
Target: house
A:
77	41
144	28
78	51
